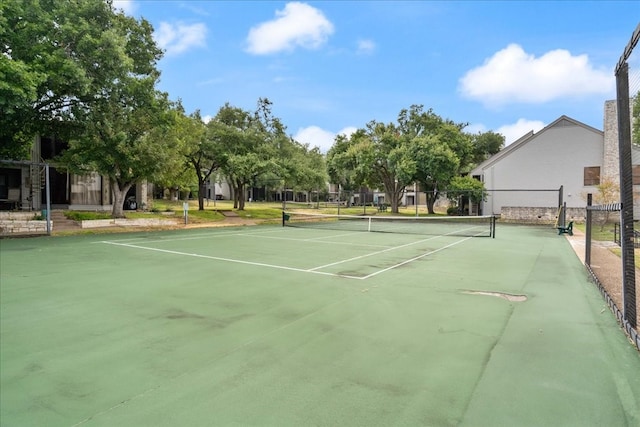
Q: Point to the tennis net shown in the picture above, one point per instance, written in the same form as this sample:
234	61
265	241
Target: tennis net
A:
472	226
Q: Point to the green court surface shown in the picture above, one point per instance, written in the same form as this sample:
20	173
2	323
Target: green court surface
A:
273	326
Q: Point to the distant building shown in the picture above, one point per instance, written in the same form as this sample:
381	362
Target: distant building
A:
563	162
67	190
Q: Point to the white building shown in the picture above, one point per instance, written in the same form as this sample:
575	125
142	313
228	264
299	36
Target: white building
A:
523	180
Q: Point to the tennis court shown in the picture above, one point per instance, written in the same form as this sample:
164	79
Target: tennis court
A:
272	325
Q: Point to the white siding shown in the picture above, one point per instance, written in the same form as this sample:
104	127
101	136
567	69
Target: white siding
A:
556	156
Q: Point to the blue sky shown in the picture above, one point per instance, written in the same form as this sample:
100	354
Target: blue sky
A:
330	67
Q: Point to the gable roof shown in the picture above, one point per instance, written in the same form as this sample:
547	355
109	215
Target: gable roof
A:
559	122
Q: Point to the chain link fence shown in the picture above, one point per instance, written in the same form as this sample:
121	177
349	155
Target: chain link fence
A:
613	266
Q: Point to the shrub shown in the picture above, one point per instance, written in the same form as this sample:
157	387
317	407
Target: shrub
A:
84	216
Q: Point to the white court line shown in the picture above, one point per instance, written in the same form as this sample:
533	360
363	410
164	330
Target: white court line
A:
191	237
238	261
415	258
393	248
310	270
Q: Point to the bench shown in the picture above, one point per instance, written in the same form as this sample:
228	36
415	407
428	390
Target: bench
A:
566	229
382	208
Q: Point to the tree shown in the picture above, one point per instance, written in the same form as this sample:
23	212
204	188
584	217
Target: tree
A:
437	165
608	192
311	168
55	60
439	147
242	138
466	186
123	136
202	151
442	150
422	147
176	174
381	158
119	143
484	145
341	164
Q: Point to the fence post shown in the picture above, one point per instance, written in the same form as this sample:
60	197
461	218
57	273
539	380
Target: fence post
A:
587	245
626	192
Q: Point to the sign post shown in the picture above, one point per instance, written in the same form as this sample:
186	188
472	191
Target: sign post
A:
185	211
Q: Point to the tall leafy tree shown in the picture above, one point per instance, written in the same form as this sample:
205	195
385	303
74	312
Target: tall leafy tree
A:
341	164
176	174
202	151
122	136
311	172
421	147
466	186
437	164
119	144
55	59
378	156
483	146
439	147
241	137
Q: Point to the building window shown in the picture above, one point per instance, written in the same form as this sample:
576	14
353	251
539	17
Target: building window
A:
636	175
592	175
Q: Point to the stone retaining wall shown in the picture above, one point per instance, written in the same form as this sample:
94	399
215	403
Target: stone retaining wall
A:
535	215
138	222
25	223
21	223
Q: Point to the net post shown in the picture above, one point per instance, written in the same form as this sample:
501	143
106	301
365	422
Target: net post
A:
283	218
561	196
493	226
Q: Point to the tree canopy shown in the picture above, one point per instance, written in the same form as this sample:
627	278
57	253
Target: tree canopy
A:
120	133
56	59
88	74
421	147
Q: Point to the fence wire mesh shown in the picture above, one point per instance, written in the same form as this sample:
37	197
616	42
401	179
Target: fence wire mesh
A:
611	265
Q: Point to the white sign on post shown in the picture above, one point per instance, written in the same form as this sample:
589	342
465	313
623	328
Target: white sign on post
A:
185	210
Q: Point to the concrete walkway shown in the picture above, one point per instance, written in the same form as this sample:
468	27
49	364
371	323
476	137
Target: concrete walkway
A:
577	243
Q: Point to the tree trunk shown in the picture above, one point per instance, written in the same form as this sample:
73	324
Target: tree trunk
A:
240	197
432	196
202	187
394	197
119	192
235	196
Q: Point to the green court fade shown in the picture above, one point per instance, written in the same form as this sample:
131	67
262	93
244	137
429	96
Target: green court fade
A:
271	326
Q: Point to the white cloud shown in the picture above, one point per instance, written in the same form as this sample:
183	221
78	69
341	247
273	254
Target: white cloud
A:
298	25
178	38
514	76
318	137
517	130
348	131
126	6
366	47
